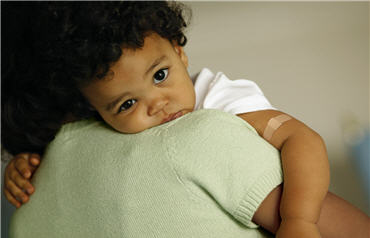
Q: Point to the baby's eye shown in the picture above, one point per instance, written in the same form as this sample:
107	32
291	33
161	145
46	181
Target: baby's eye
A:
160	75
126	105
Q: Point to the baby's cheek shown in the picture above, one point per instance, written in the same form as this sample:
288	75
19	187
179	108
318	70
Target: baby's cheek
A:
124	127
116	123
133	122
132	125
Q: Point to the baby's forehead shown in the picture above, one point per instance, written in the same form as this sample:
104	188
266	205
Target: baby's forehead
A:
154	50
135	64
151	42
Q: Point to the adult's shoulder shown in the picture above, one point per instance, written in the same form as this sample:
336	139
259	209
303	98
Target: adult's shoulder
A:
218	156
207	121
208	130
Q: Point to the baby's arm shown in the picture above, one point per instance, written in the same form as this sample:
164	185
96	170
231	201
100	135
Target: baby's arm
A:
19	171
306	173
338	218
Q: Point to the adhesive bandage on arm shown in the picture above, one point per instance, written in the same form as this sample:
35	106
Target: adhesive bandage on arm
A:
273	124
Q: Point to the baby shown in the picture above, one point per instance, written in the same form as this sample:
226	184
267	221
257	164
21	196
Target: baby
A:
125	62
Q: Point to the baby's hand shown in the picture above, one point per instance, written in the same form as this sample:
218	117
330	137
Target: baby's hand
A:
17	186
297	228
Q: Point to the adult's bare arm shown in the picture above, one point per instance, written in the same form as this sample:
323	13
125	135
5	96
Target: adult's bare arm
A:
338	218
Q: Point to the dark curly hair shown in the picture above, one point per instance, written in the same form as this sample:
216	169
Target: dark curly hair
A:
51	49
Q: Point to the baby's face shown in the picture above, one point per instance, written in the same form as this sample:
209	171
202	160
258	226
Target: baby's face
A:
147	87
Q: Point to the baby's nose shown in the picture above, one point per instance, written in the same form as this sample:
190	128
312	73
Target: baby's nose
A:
157	105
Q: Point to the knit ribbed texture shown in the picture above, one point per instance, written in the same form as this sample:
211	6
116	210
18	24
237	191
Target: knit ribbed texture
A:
201	175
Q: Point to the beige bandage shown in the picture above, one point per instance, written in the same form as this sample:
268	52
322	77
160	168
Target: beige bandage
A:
273	124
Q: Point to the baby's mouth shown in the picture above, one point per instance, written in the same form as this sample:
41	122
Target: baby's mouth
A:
173	116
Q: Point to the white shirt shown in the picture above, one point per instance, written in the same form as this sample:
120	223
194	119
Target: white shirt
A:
216	91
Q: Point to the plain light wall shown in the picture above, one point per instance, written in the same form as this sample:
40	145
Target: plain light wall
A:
311	60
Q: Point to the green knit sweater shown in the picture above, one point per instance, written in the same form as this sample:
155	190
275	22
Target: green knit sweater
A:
201	175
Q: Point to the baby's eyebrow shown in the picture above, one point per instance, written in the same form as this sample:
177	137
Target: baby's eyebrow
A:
155	63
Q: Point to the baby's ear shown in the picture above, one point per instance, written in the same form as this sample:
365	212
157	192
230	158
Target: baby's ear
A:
180	51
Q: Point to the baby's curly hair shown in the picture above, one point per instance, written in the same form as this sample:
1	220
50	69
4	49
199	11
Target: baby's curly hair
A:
51	49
